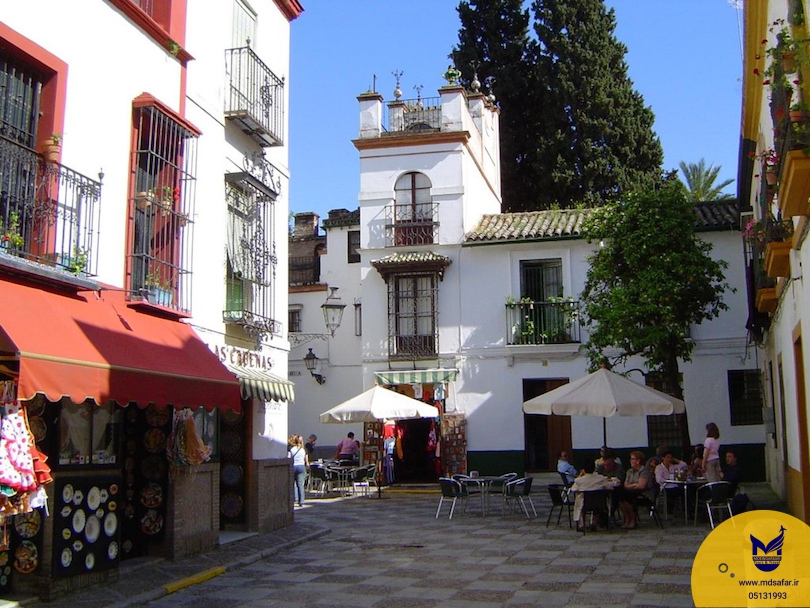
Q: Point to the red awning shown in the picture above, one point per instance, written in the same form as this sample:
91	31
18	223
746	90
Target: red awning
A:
84	346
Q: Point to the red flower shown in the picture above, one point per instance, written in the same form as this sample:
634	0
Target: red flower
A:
756	71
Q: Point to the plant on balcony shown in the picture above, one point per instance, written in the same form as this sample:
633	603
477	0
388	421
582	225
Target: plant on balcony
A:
10	236
769	160
754	232
158	290
78	261
510	301
51	147
526	301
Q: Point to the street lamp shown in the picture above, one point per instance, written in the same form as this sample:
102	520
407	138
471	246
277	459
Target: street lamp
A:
311	361
332	316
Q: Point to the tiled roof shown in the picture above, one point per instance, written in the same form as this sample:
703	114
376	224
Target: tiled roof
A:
410	257
567	223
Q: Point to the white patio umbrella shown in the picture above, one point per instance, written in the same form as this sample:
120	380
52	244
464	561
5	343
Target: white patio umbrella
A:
378	403
604	393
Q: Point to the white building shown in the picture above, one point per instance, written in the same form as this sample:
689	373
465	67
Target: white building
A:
438	263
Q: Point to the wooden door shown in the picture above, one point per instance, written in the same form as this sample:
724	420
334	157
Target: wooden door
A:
544	436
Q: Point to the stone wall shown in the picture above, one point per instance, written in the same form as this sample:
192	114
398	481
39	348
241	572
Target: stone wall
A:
271	505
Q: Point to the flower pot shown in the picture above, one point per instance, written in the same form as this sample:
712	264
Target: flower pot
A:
789	62
144	200
770	176
51	151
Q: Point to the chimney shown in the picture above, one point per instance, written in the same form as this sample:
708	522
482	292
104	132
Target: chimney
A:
306	225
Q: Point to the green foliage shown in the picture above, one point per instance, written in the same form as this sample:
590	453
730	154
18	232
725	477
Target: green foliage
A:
78	262
651	280
593	140
700	182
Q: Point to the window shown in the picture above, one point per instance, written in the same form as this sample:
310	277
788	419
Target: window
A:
745	397
414	211
88	432
664	430
353	245
163	162
244	25
294	320
412	315
251	255
541	280
539	315
20	94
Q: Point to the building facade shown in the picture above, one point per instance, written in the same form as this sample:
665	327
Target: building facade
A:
773	177
476	311
127	349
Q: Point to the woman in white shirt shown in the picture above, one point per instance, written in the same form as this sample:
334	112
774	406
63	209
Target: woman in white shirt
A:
711	453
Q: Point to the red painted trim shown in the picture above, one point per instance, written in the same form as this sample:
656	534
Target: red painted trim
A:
171	28
291	9
54	86
145	100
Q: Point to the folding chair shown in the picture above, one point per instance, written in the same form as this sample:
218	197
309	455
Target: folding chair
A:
715	496
650	503
559	498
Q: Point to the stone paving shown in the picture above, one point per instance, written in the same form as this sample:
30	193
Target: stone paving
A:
369	552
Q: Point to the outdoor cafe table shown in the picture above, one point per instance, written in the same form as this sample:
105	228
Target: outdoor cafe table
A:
686	484
484	483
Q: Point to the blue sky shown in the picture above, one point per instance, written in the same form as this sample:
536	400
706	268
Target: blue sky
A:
684	57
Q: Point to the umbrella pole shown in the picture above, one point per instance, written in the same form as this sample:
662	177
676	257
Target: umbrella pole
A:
604	431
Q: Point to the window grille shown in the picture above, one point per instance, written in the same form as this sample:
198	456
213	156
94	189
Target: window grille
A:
353	244
412	315
664	430
414	216
745	396
20	92
164	164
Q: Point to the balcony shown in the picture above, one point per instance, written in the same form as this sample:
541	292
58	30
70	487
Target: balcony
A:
49	215
549	322
414	115
304	270
254	100
253	324
409	225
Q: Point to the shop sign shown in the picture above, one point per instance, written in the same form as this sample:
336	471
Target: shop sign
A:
242	357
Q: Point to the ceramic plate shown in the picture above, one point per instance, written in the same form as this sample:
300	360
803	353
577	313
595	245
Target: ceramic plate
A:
28	524
26	557
152	495
112	550
154	441
89	561
92	529
66	533
38	428
157	416
104	495
152	522
67	557
153	467
94	498
112	506
79	519
78	497
110	524
114	488
67	493
66	511
78	545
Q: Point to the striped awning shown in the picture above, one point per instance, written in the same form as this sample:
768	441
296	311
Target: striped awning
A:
416	376
256	384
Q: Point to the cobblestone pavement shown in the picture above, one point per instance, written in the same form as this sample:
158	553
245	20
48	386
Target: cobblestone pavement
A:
367	552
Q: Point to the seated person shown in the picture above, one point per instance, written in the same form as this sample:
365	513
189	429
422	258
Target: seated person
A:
668	469
565	467
610	467
732	472
588	481
696	464
348	449
602	451
637	483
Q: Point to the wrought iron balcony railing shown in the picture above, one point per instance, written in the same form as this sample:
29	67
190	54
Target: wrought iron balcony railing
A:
407	225
551	322
303	270
255	97
48	212
416	115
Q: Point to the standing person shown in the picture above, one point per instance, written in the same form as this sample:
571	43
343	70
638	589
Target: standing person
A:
300	463
348	449
565	467
711	453
309	446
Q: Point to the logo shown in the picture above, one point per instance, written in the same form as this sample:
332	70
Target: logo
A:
771	553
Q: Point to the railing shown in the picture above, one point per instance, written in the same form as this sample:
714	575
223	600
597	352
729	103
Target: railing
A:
48	212
407	225
254	324
550	322
255	97
417	115
303	270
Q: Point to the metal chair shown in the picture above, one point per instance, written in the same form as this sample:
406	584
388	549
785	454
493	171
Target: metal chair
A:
650	503
452	489
715	495
565	481
519	490
322	479
559	498
595	502
498	485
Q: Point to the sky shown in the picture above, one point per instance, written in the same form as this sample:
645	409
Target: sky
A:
684	58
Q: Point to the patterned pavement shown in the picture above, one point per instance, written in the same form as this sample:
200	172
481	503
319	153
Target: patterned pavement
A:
368	552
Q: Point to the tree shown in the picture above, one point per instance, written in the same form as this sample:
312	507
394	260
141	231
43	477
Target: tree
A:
699	180
573	129
649	282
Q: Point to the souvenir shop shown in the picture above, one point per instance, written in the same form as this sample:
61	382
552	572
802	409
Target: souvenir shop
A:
108	426
418	450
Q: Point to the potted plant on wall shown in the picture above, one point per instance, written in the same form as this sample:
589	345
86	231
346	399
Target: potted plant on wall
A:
158	291
52	147
10	237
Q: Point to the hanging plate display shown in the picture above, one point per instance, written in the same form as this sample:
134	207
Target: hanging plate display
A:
28	524
89	561
152	522
230	442
92	529
78	497
114	488
94	498
152	495
157	416
153	468
67	557
26	557
231	417
66	533
79	519
66	511
104	495
110	524
154	441
77	545
231	474
112	550
67	493
231	505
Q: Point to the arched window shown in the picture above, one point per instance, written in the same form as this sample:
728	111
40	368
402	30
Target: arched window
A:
414	211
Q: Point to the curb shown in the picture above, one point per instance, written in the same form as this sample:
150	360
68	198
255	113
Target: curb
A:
205	575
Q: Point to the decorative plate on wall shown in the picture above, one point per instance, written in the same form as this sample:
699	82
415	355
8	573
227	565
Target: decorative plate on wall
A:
157	416
154	441
231	474
26	557
28	524
231	505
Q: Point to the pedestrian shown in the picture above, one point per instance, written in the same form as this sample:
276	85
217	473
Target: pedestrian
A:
711	453
348	449
310	447
300	462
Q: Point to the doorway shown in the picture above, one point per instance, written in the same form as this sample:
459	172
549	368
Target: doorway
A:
544	436
417	464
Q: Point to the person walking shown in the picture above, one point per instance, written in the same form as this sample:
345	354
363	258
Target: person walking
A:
300	462
309	446
711	453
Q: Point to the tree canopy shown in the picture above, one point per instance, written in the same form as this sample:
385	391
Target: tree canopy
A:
573	130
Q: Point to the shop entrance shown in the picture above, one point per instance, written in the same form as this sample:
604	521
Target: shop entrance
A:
418	463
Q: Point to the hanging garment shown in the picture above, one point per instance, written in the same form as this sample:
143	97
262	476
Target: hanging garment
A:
438	391
16	463
417	391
